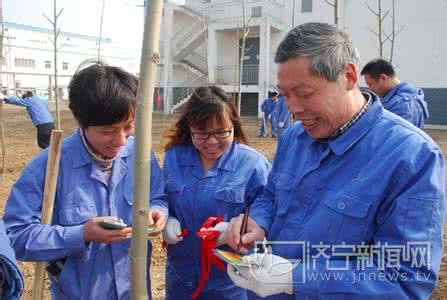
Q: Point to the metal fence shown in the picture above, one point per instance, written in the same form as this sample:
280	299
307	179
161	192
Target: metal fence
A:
229	75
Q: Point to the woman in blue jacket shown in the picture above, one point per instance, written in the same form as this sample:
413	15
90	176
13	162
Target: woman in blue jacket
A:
209	172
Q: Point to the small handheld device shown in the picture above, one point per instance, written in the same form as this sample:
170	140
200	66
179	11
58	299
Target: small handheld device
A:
233	258
112	223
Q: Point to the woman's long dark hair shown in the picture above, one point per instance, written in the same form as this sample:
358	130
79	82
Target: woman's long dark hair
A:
205	104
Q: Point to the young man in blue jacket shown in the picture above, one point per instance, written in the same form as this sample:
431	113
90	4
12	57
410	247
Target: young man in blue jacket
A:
282	115
38	111
268	109
11	280
354	204
87	261
403	99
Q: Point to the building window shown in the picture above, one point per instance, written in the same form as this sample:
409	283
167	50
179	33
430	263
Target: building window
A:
65	66
47	64
256	11
25	63
306	6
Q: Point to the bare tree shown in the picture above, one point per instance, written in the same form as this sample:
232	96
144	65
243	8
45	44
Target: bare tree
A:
2	129
100	30
334	4
380	16
243	38
293	14
394	33
56	32
205	26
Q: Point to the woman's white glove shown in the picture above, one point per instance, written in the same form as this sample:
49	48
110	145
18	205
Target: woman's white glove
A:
172	231
269	274
222	227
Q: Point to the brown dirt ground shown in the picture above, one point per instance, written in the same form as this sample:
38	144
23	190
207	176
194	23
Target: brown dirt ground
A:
21	146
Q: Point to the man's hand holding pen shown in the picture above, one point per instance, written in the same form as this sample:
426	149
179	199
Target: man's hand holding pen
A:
236	235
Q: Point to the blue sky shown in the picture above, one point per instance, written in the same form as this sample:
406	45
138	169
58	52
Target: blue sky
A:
123	19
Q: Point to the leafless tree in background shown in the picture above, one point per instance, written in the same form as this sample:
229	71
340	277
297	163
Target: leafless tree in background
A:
56	32
334	4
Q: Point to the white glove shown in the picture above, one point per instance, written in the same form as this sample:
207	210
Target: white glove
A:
281	124
269	117
268	274
171	231
222	227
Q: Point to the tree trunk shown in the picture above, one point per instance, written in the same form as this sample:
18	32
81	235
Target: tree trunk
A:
56	92
143	142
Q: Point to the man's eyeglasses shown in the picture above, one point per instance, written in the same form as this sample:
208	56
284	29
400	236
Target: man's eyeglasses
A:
206	135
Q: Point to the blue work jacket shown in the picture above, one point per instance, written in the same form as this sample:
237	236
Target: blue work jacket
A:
92	270
238	177
37	108
268	106
11	280
380	183
407	102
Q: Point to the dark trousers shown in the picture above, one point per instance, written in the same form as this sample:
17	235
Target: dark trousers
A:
44	134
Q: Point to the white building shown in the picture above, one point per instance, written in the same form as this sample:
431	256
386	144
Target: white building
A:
199	46
28	62
194	56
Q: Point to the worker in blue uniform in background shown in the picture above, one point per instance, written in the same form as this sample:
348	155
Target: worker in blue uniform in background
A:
403	99
282	115
95	180
355	191
11	280
209	171
267	109
38	111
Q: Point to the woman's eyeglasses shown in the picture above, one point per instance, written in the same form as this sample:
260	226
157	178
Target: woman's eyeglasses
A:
203	135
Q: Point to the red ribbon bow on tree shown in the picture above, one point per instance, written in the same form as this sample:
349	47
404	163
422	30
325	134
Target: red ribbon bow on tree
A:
207	246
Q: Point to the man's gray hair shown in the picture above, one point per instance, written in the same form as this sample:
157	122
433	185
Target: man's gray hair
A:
328	48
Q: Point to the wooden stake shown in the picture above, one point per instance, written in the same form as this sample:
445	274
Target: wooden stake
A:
49	193
150	56
2	133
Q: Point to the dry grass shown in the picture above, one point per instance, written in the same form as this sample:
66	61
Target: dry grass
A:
21	147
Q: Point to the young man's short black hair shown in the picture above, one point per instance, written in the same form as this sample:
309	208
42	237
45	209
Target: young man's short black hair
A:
102	95
378	66
27	95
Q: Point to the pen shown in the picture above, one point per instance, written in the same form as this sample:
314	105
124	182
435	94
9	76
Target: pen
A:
243	227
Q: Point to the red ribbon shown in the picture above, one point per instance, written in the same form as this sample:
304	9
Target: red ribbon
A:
207	245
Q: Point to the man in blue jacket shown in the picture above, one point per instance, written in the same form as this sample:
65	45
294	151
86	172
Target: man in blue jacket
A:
95	180
11	280
282	115
403	99
354	204
40	115
268	109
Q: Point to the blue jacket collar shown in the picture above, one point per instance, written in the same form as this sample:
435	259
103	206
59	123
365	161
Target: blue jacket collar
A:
344	142
81	157
393	92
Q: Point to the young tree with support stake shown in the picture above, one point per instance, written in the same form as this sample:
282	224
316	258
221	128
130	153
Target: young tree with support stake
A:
148	69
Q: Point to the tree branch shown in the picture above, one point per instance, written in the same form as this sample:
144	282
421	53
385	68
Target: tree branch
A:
400	30
384	16
59	13
373	32
371	10
52	23
330	3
